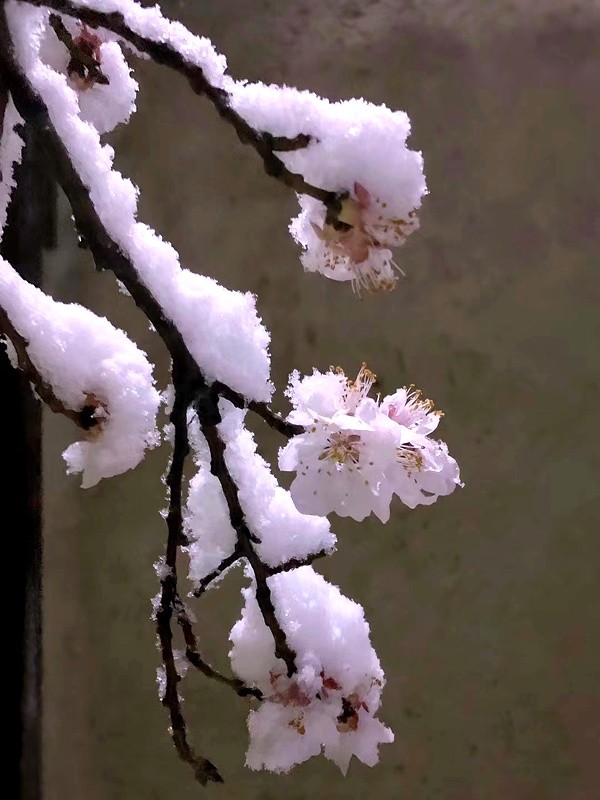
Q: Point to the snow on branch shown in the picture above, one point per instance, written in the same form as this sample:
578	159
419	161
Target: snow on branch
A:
359	186
301	650
88	370
84	418
172	45
11	146
192	306
209	416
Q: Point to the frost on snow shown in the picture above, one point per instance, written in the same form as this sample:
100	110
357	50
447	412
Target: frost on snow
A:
89	364
330	704
11	146
357	452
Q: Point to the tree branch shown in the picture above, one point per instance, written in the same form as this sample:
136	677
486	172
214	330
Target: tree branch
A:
207	408
204	770
189	384
228	561
272	418
296	563
83	418
264	143
194	657
105	252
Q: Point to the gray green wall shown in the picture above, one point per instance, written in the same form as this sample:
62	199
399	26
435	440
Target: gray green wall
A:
484	607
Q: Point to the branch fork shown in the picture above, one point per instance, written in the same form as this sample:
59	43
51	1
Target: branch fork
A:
191	387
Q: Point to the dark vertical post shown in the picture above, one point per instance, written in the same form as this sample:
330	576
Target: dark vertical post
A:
29	229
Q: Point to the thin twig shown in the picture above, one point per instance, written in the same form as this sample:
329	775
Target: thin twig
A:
207	408
84	418
194	657
275	420
272	418
264	600
264	144
227	562
204	770
296	563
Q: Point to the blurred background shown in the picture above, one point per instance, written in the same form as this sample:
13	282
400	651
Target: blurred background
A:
483	607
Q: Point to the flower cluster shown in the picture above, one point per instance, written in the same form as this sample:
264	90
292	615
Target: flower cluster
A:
357	452
330	703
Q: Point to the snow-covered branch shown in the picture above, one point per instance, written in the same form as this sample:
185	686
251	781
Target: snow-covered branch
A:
203	769
246	540
358	185
301	647
84	418
88	370
272	418
171	45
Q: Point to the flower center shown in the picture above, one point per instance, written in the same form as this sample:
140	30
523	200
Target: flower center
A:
410	458
357	390
343	448
414	409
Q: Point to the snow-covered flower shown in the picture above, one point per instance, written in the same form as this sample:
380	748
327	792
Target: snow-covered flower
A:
92	367
357	151
353	244
106	95
357	452
329	704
